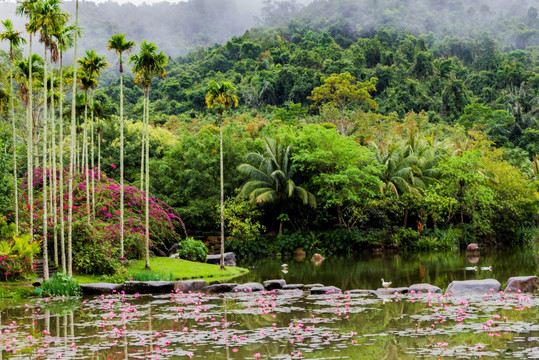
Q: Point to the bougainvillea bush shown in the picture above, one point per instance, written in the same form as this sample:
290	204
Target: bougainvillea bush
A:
96	245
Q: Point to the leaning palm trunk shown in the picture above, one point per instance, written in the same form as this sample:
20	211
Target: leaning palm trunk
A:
61	130
72	153
12	108
45	214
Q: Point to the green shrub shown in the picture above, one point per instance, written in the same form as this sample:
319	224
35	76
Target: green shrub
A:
61	284
16	257
121	275
193	250
405	238
152	276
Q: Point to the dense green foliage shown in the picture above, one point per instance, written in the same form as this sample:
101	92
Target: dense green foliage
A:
192	250
60	285
424	135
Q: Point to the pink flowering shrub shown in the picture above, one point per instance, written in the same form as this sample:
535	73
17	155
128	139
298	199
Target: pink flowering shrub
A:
96	246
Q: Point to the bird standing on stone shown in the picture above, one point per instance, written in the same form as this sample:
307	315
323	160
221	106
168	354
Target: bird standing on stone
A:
486	268
386	284
471	268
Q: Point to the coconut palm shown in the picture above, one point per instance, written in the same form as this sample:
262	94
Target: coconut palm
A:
65	37
271	177
221	95
15	40
147	63
120	45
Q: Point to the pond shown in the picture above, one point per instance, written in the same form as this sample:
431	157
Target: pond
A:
268	326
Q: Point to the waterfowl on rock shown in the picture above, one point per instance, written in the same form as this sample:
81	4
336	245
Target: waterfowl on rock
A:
386	284
471	268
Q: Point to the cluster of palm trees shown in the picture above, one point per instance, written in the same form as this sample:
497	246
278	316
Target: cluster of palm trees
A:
42	96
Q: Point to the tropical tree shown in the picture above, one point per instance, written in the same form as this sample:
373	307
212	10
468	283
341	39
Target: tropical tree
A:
221	95
271	178
120	45
147	63
15	40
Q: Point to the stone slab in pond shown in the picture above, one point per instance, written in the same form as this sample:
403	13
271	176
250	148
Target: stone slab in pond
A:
100	288
293	286
248	287
274	284
190	285
425	288
310	286
219	288
289	292
473	287
392	291
148	287
522	283
325	290
230	259
361	292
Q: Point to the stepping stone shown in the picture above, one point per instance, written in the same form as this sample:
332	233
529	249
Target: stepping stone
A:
274	284
309	286
100	288
289	292
522	283
148	287
219	288
230	259
248	287
293	286
191	285
467	287
392	291
360	292
325	290
425	288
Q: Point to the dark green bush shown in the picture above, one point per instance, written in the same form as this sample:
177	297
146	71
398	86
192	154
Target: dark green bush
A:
193	250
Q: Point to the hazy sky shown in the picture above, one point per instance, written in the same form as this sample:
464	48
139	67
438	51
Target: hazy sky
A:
137	2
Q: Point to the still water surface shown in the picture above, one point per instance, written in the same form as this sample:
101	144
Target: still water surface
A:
269	326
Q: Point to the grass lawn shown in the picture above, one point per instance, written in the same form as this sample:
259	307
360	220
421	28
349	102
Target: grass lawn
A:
180	269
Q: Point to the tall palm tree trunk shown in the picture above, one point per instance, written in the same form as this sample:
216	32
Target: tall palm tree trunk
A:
72	154
85	156
121	161
54	182
222	262
147	207
12	108
45	175
30	145
61	130
142	157
92	154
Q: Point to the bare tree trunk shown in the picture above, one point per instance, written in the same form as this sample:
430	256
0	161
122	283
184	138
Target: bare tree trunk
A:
121	160
147	208
85	156
12	108
45	215
54	183
62	217
222	262
30	146
92	154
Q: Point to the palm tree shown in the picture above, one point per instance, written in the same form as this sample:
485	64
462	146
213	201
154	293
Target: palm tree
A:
65	37
120	45
72	151
221	95
26	8
271	177
146	64
15	40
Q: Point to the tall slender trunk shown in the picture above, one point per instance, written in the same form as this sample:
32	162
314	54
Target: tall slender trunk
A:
222	262
85	156
30	145
92	154
99	139
121	160
147	198
12	111
72	154
142	157
61	130
54	183
44	171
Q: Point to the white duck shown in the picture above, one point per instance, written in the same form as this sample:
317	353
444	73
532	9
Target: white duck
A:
386	284
486	268
471	268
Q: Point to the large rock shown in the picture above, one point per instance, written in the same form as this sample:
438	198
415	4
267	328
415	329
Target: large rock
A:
472	248
392	291
424	288
473	287
360	292
310	286
191	285
289	292
148	287
325	290
100	288
274	284
253	286
219	288
173	249
230	259
522	283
